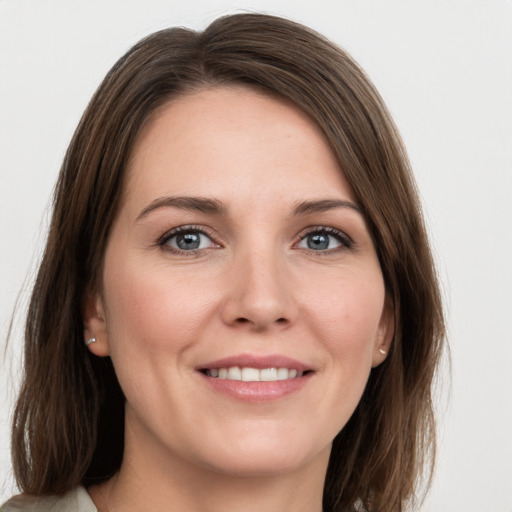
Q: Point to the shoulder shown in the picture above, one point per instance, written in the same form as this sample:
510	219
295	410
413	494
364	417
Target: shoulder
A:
76	500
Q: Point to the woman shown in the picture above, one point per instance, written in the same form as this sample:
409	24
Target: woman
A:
237	306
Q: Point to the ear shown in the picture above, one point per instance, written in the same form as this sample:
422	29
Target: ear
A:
385	333
95	326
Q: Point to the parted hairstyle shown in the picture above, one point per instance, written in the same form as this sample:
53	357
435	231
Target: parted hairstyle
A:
68	426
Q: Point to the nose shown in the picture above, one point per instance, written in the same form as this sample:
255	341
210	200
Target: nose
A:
259	293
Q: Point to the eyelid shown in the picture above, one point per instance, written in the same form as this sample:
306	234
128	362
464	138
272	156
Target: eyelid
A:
164	238
345	240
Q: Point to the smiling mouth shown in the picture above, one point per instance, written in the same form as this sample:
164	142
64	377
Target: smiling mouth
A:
248	374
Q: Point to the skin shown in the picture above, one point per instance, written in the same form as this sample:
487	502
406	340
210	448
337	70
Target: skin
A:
254	287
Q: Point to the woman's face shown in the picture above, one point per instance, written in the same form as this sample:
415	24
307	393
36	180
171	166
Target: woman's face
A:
243	303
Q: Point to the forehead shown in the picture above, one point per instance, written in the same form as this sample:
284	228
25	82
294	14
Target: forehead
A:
224	139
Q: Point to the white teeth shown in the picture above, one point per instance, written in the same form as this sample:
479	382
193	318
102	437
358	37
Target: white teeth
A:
282	373
250	374
234	373
254	374
268	374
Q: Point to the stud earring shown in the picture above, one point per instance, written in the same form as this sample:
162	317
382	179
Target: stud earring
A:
383	352
90	340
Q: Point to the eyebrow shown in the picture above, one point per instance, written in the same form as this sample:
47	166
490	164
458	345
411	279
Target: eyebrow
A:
307	207
216	207
196	204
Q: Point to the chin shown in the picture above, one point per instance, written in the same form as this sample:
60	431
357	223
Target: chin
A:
272	456
264	465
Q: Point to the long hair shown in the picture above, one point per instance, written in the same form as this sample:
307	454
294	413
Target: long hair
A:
69	419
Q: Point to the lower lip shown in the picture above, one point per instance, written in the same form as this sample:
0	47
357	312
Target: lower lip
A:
257	391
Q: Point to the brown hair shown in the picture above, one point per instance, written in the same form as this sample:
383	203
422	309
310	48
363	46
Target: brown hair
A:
69	420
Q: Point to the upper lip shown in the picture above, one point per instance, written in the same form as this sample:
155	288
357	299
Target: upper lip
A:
256	361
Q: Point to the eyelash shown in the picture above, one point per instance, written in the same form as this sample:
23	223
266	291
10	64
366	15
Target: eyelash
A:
164	239
345	241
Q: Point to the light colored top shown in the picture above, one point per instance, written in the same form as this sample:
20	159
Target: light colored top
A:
77	500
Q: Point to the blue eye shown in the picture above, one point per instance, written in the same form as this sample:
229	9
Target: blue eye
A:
324	239
187	239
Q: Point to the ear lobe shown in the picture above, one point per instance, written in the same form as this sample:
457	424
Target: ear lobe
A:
385	333
95	328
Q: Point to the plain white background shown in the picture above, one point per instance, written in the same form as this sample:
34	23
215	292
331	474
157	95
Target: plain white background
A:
445	69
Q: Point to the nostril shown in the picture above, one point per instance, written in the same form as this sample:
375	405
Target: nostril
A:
243	320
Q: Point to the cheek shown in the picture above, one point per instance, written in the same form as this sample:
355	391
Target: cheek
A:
151	308
342	314
349	309
345	314
154	317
